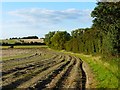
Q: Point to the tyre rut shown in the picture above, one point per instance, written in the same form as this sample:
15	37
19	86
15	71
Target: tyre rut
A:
60	83
42	84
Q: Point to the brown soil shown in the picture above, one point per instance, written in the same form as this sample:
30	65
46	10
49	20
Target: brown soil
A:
90	81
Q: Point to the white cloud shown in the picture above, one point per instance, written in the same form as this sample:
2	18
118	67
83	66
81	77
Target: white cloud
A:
37	15
37	21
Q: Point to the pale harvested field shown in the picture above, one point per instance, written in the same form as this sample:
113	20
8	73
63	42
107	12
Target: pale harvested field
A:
33	40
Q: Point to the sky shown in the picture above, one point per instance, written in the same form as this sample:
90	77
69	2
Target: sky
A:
21	19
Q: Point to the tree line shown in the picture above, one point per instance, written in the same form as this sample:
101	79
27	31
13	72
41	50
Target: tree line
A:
28	37
102	38
19	43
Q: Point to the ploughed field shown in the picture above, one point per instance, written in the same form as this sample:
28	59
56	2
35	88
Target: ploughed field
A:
40	69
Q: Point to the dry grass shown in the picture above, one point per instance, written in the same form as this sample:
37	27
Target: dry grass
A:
33	40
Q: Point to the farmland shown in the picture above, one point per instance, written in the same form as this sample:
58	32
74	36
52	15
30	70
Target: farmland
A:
13	41
40	68
86	56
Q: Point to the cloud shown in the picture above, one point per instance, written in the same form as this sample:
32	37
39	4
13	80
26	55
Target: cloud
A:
37	21
40	16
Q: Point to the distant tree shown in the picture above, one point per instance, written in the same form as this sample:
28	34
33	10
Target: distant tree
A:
14	38
31	42
17	43
5	44
11	46
48	37
30	37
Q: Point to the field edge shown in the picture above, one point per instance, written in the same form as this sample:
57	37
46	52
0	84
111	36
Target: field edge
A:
97	67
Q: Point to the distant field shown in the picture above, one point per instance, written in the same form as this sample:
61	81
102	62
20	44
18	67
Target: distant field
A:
25	46
33	40
13	41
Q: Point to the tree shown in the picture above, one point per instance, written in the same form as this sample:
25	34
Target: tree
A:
48	37
77	33
59	39
107	20
30	37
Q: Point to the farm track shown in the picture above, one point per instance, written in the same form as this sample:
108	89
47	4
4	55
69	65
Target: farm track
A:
58	71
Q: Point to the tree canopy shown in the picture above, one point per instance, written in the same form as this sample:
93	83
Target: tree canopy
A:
101	38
